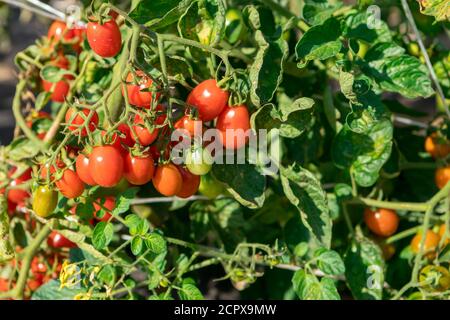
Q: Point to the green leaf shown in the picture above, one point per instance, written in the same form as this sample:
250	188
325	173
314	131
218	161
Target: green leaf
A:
156	243
292	118
364	266
22	148
137	225
329	262
189	291
54	74
107	275
124	202
439	9
366	27
136	245
308	287
317	11
159	13
102	235
363	154
266	71
243	181
52	291
304	191
319	42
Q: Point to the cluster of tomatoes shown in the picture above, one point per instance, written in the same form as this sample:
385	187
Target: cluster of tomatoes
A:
439	148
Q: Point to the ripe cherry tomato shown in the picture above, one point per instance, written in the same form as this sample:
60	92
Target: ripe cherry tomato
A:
435	278
192	126
45	200
18	195
199	161
431	242
442	176
190	184
144	136
82	168
210	187
233	124
70	185
138	170
125	137
109	203
382	222
209	99
57	240
442	234
167	180
105	40
114	140
38	266
436	148
62	87
138	95
58	29
77	120
106	166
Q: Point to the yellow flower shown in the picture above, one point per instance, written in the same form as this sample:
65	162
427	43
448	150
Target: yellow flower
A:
69	275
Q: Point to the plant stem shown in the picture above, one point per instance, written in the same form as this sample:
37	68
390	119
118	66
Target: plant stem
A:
403	234
410	206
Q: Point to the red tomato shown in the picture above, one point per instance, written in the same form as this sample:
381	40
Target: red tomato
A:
382	222
38	266
190	185
60	91
144	136
113	140
58	29
167	180
209	99
138	170
105	40
70	185
192	126
126	137
106	166
233	124
76	120
442	176
137	94
57	240
82	167
19	195
108	204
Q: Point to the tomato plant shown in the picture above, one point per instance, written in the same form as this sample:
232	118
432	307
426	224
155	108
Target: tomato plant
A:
315	152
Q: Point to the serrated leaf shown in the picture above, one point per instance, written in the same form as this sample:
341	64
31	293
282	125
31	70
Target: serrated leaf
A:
304	191
439	9
136	245
52	291
308	287
102	235
159	13
107	275
319	42
155	243
365	26
137	225
317	11
329	261
189	291
124	202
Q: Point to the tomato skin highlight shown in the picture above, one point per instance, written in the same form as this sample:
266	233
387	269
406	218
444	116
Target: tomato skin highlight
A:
70	185
137	96
77	121
105	40
138	170
144	136
82	169
209	99
167	180
431	242
106	166
236	121
57	240
109	205
45	200
190	185
442	176
382	222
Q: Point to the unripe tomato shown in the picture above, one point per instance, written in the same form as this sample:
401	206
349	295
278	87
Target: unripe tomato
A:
105	40
431	242
209	99
138	95
45	200
442	229
210	187
18	195
235	29
233	124
167	180
108	204
442	176
190	185
199	161
70	185
436	148
82	168
434	278
77	120
57	240
193	127
106	166
382	222
138	170
144	136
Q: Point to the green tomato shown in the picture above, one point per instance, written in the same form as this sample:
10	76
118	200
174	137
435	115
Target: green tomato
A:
199	161
45	200
210	187
235	29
